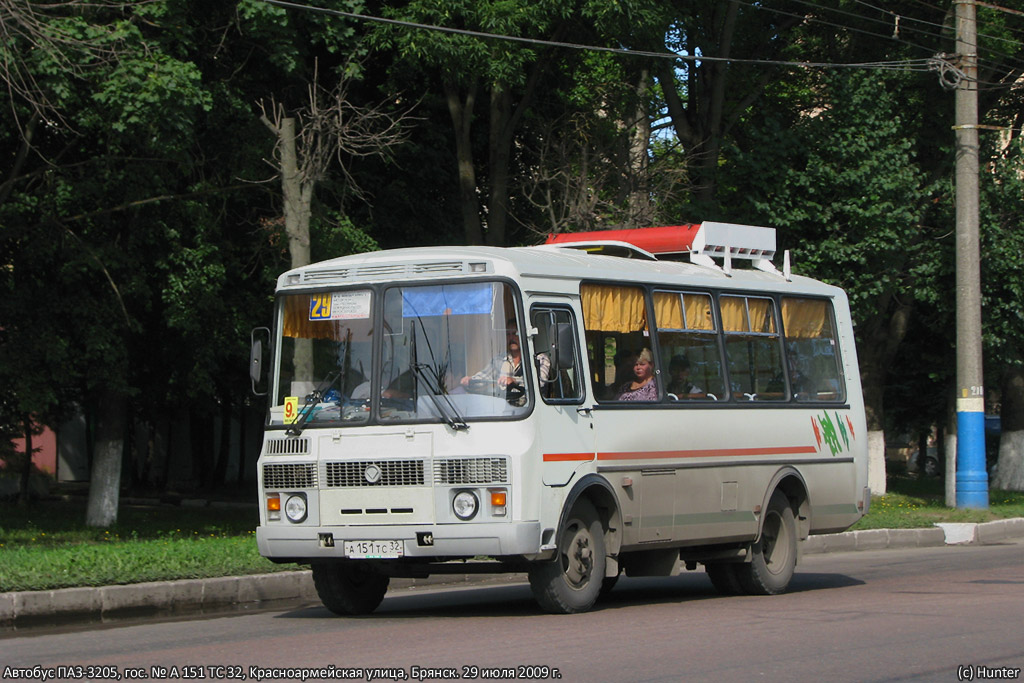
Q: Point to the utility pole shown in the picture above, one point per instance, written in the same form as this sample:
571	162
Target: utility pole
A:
971	475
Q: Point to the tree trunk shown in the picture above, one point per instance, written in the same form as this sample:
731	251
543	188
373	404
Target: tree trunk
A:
462	123
105	479
1010	470
220	471
26	475
498	155
637	189
298	197
879	341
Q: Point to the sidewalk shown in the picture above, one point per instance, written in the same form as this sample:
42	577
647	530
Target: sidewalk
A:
172	598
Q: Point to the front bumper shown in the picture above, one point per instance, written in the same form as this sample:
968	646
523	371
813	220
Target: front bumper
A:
296	542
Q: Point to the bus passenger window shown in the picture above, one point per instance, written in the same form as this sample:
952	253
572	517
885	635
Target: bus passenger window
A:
752	348
812	354
688	342
619	343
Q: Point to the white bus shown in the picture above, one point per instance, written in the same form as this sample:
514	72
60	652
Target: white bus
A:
605	403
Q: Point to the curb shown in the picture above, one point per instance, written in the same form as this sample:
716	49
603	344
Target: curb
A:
189	596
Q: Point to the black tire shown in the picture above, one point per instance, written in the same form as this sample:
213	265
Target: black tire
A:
349	589
572	581
725	577
773	557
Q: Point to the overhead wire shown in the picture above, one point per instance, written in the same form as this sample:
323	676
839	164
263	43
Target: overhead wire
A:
892	64
1009	61
933	63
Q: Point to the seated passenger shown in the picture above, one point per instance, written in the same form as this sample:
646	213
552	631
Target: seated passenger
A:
679	371
643	387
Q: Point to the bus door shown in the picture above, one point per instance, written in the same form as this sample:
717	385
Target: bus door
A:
565	428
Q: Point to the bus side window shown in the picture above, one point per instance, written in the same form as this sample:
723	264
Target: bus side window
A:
688	340
556	357
752	348
615	321
812	351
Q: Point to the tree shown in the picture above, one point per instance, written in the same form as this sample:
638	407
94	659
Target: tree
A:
1003	304
844	186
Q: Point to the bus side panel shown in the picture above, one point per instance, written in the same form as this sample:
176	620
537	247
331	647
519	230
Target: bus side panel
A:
691	475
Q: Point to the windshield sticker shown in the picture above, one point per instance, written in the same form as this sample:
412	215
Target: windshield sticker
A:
339	306
291	409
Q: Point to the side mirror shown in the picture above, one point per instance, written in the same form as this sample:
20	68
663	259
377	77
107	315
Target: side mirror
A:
256	357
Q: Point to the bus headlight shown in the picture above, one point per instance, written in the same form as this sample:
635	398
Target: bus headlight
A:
295	508
465	505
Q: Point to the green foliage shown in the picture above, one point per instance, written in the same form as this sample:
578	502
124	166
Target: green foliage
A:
1002	243
844	189
334	235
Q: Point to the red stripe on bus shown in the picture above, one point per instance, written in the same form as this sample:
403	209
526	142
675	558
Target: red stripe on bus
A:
567	457
697	453
707	453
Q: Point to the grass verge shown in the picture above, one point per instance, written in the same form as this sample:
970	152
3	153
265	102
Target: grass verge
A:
912	503
47	545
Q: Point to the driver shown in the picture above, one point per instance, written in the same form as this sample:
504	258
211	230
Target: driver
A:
507	369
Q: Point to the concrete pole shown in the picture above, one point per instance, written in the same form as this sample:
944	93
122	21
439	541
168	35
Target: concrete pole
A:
971	475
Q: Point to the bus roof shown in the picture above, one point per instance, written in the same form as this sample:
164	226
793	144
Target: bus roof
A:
537	264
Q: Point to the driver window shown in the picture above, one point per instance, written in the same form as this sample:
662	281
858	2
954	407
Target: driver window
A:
555	355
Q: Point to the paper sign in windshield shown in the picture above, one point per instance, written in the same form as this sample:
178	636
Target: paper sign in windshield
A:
339	305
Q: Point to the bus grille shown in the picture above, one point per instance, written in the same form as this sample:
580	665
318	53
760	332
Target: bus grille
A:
287	447
382	473
471	471
278	476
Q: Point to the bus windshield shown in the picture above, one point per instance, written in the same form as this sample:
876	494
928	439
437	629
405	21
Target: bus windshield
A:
447	353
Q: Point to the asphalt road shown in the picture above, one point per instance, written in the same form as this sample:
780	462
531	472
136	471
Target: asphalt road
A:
934	614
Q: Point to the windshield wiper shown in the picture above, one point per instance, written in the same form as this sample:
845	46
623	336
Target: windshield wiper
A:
446	408
312	400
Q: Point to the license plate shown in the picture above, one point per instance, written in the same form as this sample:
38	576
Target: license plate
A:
374	550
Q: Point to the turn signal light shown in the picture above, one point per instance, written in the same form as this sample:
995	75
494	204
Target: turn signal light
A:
274	507
498	500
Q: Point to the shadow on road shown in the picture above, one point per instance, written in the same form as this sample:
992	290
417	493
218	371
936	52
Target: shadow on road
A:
516	600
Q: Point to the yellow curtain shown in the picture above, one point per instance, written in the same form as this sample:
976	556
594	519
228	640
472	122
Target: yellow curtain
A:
734	313
805	318
610	308
297	323
668	311
761	318
698	312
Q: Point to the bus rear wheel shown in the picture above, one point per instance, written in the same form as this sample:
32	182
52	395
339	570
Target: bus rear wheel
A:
773	557
572	581
349	589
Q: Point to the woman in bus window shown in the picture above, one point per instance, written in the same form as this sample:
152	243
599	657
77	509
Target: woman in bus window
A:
643	386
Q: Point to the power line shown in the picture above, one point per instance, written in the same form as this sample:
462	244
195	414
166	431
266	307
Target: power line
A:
895	65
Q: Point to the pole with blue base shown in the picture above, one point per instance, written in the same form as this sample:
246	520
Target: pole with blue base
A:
971	475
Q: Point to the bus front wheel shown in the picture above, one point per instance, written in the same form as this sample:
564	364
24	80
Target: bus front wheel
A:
349	589
773	557
572	581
